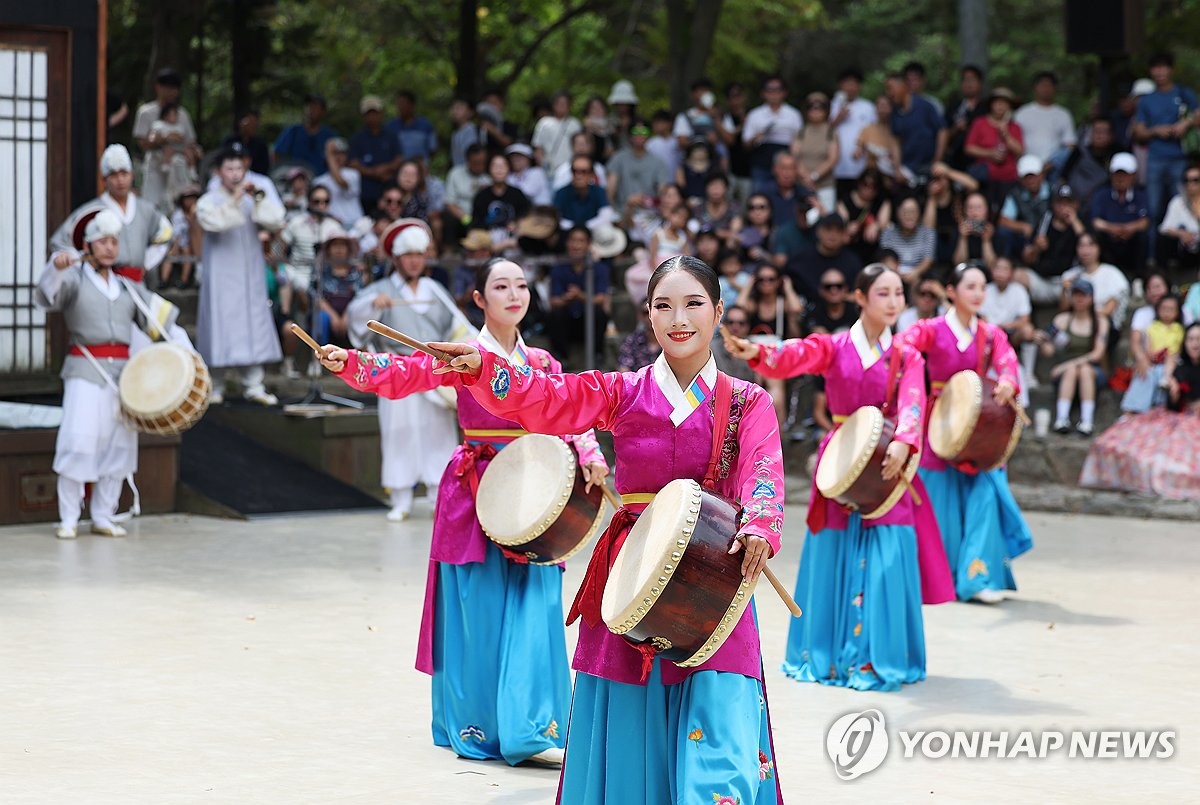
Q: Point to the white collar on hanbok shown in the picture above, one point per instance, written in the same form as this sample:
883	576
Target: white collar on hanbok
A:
518	357
869	353
685	400
110	288
420	298
965	335
126	215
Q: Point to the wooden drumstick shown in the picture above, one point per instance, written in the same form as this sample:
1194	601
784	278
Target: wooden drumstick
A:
610	496
1020	409
908	487
298	331
408	341
788	601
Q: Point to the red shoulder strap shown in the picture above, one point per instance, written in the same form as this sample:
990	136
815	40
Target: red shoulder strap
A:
983	349
893	385
724	396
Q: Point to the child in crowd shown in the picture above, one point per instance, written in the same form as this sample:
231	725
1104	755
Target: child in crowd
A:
733	277
1164	339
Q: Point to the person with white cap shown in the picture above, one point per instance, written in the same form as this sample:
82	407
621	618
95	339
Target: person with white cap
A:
343	183
527	177
622	105
1120	214
145	234
235	329
417	434
1026	208
94	444
374	152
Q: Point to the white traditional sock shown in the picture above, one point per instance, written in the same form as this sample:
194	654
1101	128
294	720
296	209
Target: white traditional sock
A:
1087	411
1062	409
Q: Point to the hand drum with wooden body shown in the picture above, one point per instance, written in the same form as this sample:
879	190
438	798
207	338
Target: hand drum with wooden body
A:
531	500
967	425
164	389
850	469
674	584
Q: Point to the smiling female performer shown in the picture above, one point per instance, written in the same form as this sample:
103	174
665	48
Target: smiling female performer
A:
491	633
860	583
644	730
981	524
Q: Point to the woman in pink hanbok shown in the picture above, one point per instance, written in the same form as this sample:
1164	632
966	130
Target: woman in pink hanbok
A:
982	525
644	730
862	582
491	633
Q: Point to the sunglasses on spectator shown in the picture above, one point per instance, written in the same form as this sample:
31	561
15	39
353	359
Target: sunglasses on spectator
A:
815	105
319	202
1192	179
928	295
580	171
833	286
737	322
391	200
759	207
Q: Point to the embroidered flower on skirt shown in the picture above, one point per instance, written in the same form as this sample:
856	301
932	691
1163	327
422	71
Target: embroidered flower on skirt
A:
696	736
472	732
725	799
551	731
764	766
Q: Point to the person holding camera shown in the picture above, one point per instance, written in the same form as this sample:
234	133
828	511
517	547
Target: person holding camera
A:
235	328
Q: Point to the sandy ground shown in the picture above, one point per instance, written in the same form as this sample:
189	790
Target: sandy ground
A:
202	660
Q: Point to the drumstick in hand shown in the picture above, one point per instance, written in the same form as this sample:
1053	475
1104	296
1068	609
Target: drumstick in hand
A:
408	341
1020	409
610	496
904	482
788	601
298	331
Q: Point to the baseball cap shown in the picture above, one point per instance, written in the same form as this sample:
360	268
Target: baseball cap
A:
1029	165
519	148
1082	285
370	103
1123	162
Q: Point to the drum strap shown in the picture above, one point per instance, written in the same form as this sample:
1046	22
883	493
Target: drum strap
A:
983	349
721	403
893	378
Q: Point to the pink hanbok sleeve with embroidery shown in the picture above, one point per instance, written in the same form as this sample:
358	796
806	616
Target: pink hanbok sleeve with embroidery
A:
545	403
796	356
393	376
586	444
759	473
910	401
1004	357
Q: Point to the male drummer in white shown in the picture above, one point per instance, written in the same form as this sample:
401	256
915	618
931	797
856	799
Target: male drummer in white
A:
94	444
145	232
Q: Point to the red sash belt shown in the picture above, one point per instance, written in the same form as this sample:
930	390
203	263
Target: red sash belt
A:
591	592
464	469
118	352
132	273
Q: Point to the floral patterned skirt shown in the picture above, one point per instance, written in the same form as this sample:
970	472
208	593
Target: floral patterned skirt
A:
1154	453
982	527
705	740
501	683
860	589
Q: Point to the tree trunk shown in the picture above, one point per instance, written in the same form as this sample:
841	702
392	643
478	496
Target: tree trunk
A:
467	72
692	26
973	32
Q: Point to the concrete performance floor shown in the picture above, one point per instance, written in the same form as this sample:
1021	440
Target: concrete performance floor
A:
202	660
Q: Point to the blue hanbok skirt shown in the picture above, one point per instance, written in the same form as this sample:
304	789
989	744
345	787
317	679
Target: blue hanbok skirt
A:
705	740
860	590
982	527
501	682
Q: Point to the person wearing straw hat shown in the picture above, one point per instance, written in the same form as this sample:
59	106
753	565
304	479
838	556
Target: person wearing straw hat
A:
417	434
337	280
995	142
235	329
145	235
94	444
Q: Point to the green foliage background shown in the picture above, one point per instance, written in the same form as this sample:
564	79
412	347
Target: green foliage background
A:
345	48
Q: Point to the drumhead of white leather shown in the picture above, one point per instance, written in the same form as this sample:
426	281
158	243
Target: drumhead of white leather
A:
849	450
157	379
648	554
954	415
525	488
